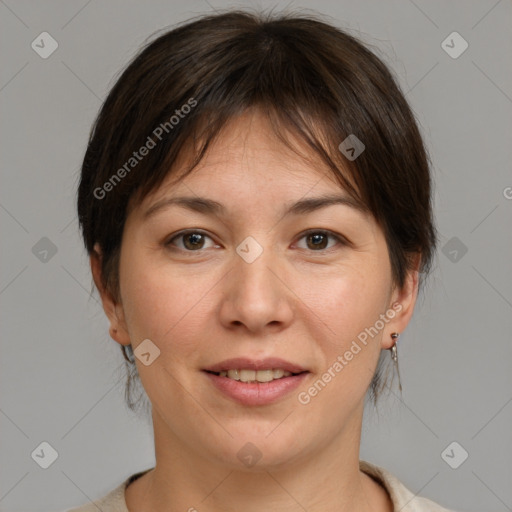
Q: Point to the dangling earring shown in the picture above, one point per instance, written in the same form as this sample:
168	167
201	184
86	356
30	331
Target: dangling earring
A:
394	355
394	351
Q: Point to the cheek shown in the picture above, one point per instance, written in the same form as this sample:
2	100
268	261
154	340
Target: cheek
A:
352	313
361	301
163	304
349	299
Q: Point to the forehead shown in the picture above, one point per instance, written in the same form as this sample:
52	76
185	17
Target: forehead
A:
247	160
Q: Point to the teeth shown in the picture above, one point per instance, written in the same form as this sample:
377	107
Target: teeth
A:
279	373
233	374
247	375
264	375
255	376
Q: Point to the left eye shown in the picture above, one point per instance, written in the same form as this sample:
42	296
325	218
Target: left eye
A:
194	240
318	239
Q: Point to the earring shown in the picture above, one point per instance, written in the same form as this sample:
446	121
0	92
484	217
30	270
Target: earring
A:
394	351
394	356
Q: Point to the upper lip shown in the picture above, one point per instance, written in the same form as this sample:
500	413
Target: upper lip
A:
244	363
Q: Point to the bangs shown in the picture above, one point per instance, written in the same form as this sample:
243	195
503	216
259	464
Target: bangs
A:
306	135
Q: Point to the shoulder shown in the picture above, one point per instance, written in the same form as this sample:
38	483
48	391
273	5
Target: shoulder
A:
403	499
114	501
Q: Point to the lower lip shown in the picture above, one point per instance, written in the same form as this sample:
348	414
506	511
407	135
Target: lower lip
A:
257	393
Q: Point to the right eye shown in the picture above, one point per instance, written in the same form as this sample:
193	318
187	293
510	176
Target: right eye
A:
192	240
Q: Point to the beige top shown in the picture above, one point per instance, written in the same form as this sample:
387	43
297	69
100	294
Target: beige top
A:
403	499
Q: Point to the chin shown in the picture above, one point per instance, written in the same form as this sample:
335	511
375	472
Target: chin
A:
254	451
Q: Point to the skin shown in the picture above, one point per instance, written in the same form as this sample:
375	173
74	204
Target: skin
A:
295	301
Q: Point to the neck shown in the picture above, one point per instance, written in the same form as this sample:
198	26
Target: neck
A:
329	481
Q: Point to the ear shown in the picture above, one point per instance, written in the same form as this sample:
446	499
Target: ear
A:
402	302
113	309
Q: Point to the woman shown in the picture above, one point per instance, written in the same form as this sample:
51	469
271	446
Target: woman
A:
256	202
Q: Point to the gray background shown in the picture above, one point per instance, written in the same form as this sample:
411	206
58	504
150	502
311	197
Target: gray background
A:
60	373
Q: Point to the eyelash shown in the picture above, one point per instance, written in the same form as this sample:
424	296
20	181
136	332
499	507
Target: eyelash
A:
341	240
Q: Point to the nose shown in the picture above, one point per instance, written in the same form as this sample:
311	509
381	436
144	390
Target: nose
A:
255	296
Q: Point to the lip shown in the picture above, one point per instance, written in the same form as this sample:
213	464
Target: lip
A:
244	363
258	393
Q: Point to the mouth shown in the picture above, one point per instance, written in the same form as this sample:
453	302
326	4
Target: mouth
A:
254	376
245	369
256	382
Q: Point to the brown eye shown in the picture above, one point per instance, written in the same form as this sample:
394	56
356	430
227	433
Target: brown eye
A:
318	240
192	241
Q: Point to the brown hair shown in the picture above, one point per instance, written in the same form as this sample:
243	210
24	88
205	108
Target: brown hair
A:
309	77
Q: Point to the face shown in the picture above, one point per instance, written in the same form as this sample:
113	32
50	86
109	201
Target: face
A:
255	279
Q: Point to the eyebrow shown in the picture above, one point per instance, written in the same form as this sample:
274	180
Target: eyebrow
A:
210	207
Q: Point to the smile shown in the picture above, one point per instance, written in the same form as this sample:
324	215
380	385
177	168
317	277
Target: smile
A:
251	376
